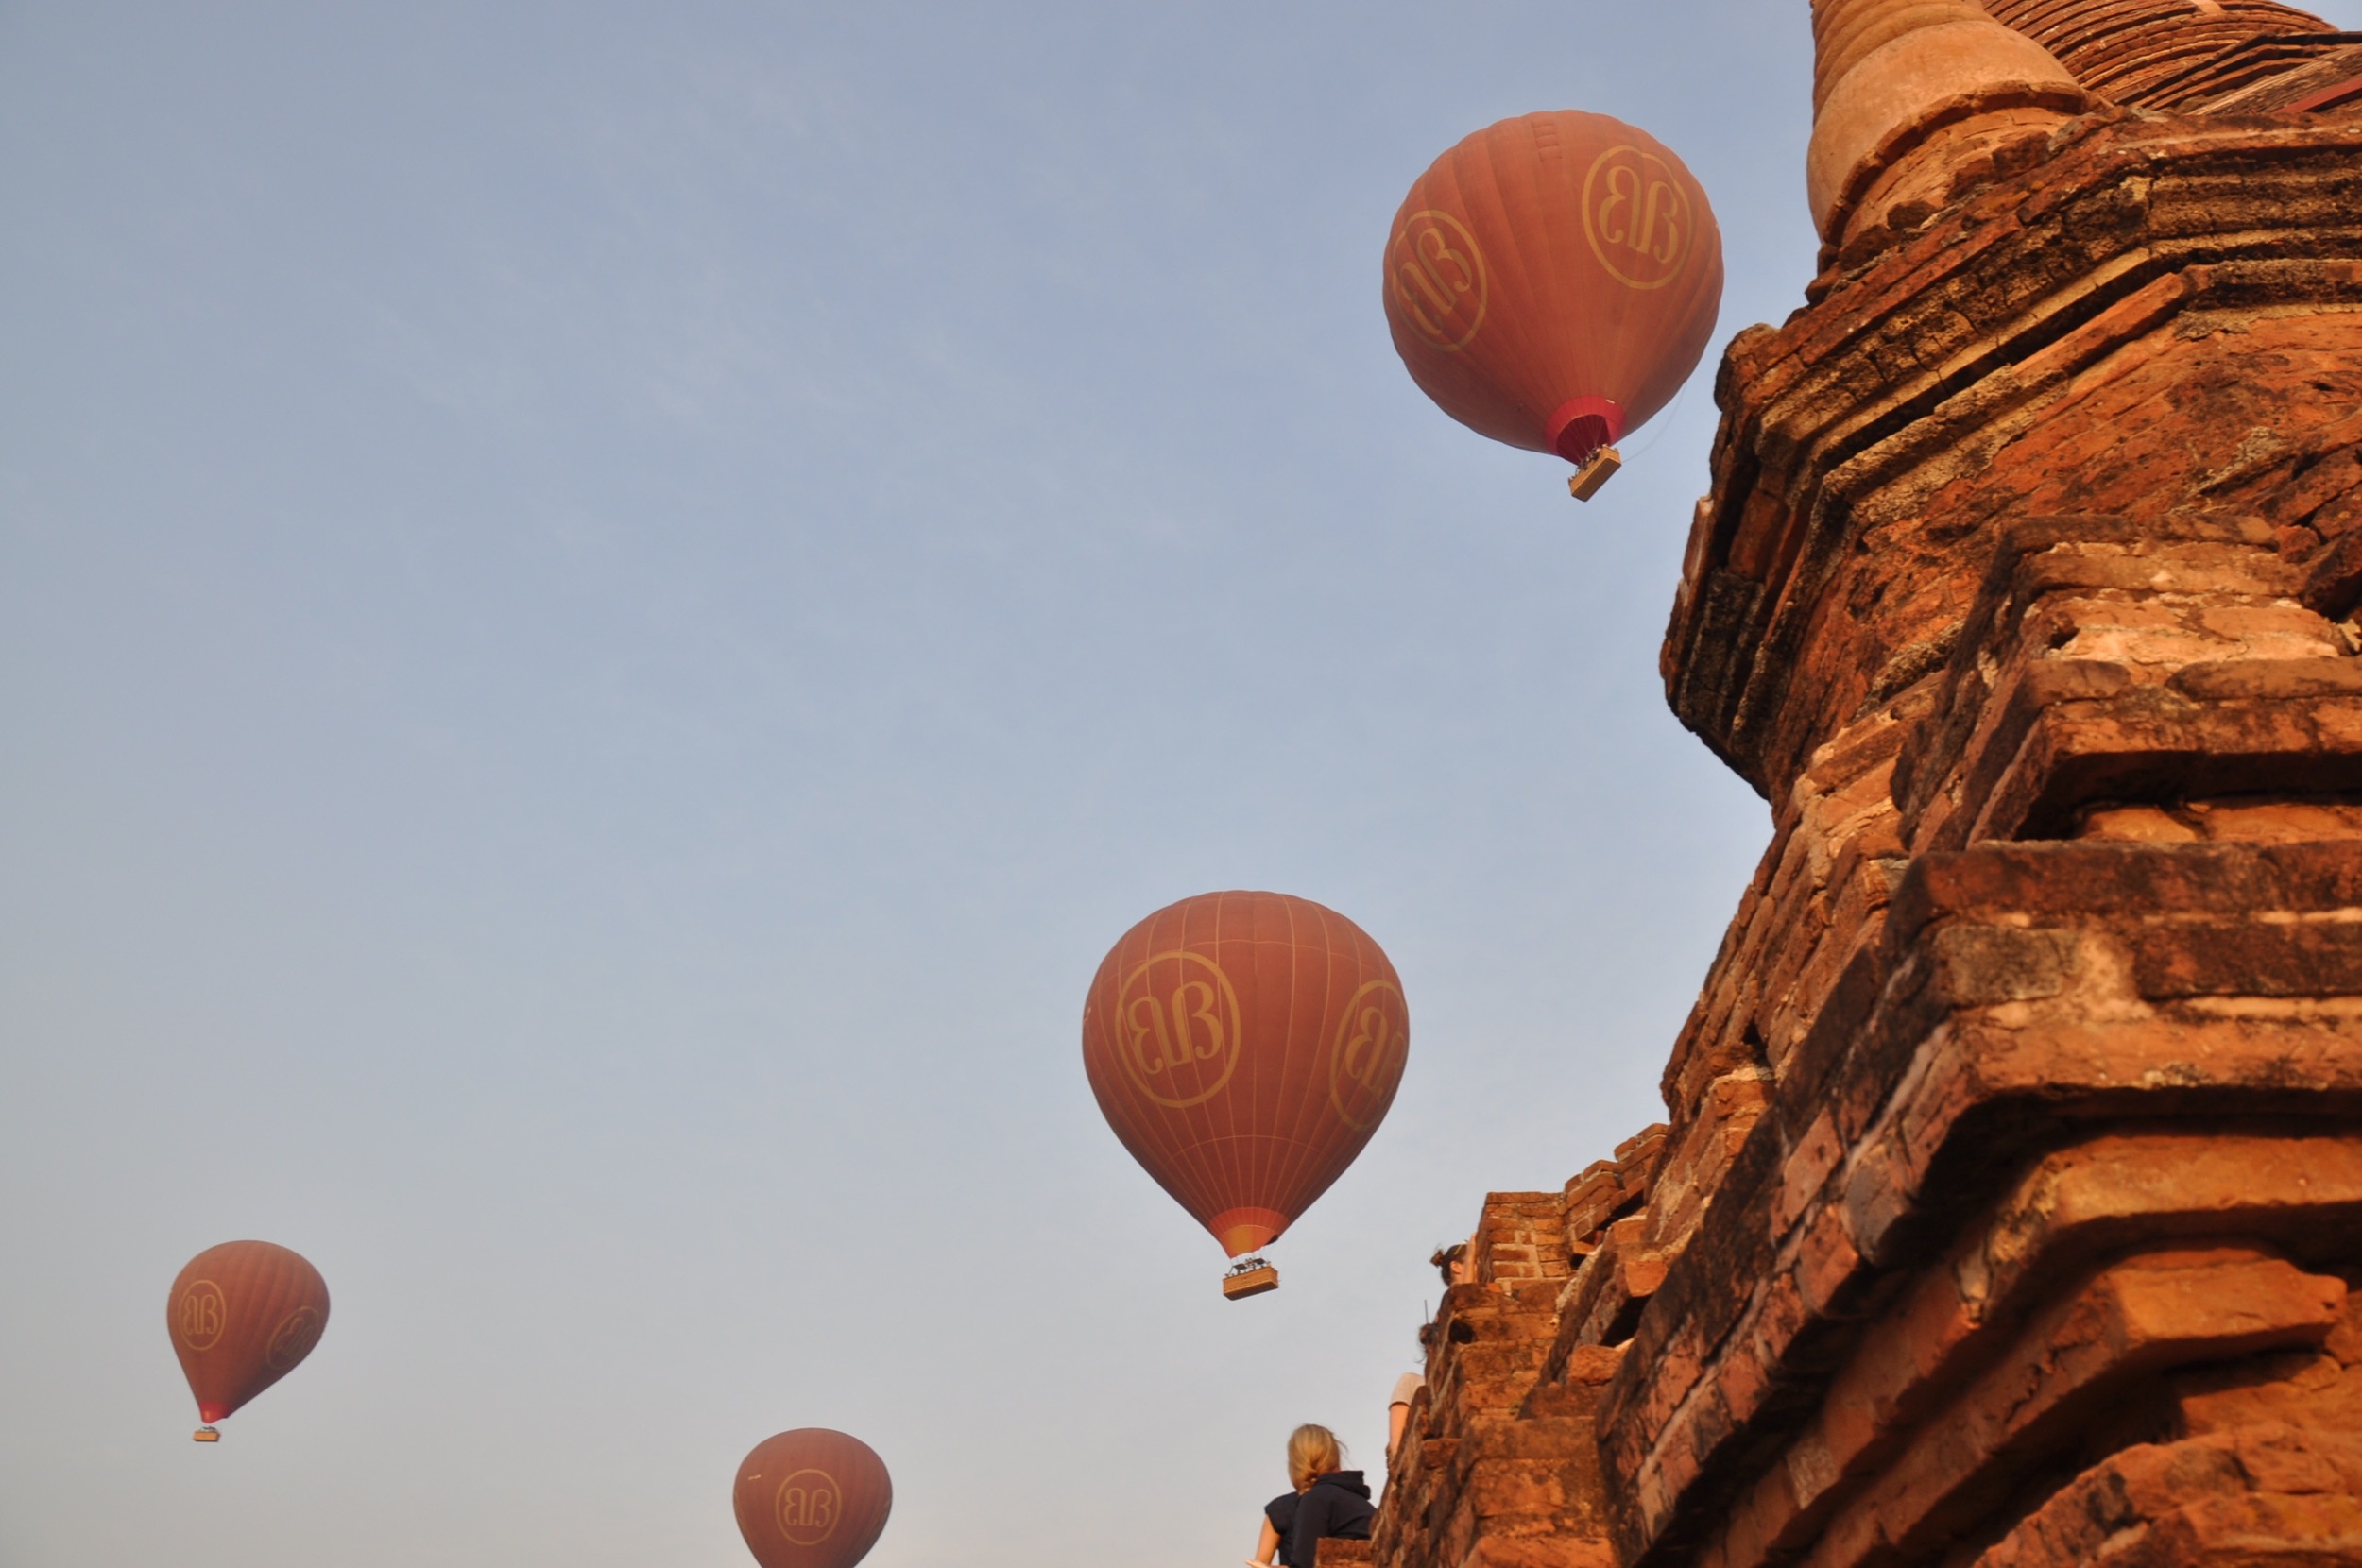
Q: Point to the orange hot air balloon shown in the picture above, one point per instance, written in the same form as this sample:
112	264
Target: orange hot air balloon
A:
242	1315
812	1498
1244	1045
1553	280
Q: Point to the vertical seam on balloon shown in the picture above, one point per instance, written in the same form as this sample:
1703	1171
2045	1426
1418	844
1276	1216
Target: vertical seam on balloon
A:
1260	1159
1171	1124
1534	361
1205	1149
1604	350
1251	1146
1286	1154
1284	1194
1302	1148
1217	1116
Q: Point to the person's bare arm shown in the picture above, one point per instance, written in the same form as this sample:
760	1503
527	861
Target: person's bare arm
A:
1264	1547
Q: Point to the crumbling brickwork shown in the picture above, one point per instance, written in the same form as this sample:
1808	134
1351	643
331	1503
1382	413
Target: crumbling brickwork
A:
2009	1204
2217	55
1500	1480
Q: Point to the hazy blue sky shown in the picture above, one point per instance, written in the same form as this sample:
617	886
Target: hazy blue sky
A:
604	610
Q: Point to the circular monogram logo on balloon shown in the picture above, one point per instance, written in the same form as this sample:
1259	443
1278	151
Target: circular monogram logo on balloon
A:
1436	275
1176	1028
809	1505
1636	214
293	1339
1372	1040
203	1316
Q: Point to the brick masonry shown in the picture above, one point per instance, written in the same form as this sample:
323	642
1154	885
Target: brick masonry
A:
2007	1209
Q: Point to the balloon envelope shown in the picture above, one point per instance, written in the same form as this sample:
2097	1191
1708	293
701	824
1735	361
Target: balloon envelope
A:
1551	281
242	1315
812	1498
1244	1045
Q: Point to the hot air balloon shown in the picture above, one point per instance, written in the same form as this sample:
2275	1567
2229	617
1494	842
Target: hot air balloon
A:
1244	1045
812	1498
1551	281
242	1315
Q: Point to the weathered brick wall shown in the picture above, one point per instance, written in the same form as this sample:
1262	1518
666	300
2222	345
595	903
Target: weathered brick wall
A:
1493	1476
2009	1207
2179	54
1520	1236
1481	1474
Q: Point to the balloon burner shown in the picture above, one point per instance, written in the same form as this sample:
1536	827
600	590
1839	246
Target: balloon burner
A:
1249	1276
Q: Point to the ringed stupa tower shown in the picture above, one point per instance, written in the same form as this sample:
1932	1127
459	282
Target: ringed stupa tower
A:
2008	1210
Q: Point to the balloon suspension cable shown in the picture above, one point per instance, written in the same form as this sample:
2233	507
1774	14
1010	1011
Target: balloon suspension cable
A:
1249	1276
1597	470
206	1434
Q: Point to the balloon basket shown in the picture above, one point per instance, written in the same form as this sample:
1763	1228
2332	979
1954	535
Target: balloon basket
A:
1584	481
205	1434
1249	1277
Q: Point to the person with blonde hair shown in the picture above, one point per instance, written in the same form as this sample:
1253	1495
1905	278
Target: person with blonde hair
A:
1326	1500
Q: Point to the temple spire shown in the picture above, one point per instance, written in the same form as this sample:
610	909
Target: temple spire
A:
1903	87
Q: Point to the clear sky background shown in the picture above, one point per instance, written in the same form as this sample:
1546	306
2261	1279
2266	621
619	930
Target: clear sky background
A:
604	611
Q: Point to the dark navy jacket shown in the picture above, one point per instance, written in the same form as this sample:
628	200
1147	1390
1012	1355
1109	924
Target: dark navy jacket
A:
1337	1504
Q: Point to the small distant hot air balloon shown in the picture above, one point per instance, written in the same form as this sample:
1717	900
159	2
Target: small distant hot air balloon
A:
812	1498
1551	281
242	1315
1244	1045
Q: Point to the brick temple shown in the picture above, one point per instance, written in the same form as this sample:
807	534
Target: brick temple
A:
2007	1208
